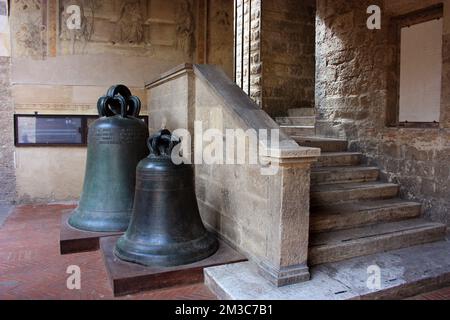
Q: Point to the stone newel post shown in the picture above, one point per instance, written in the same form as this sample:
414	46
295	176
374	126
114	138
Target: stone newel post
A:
287	251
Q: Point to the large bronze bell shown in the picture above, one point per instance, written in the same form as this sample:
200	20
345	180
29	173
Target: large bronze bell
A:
166	228
116	143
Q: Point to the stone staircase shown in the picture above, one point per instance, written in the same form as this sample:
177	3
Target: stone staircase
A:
353	213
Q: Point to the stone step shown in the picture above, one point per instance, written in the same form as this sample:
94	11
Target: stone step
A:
405	273
325	144
358	214
302	112
346	192
338	159
327	175
346	244
299	130
296	121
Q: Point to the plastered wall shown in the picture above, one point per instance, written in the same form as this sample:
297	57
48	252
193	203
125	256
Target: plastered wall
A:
57	70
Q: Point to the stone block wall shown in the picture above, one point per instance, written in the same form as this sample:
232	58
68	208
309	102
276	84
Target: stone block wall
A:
287	55
7	163
281	61
353	94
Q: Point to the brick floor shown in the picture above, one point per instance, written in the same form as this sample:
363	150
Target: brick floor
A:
443	294
32	268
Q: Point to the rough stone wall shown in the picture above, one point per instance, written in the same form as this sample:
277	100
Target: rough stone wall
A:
352	94
287	55
281	64
7	170
248	64
255	54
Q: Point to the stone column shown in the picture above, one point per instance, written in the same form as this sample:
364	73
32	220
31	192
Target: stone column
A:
7	168
445	101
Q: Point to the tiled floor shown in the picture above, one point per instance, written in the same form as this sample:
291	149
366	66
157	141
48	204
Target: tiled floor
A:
32	268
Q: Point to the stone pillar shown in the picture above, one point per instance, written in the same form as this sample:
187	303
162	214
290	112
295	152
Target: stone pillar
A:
287	252
445	98
7	168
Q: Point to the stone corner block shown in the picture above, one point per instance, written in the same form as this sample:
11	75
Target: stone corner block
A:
284	276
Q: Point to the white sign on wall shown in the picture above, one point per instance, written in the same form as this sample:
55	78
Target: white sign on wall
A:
421	72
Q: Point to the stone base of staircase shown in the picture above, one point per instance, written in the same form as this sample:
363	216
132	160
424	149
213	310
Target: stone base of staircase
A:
404	273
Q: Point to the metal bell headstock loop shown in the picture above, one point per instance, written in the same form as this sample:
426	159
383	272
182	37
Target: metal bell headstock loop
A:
111	106
162	143
119	101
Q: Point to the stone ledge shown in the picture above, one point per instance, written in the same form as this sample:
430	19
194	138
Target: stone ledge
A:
404	273
291	154
170	75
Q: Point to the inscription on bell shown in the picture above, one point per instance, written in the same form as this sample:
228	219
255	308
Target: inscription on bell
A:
122	136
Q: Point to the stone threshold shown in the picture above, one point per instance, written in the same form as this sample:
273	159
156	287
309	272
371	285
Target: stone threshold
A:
404	273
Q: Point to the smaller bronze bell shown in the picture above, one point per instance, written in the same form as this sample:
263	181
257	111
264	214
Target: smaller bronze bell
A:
166	228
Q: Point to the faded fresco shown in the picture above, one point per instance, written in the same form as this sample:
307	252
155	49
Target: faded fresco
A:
28	28
129	27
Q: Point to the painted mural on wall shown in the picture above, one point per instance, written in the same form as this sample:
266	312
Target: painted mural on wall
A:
131	22
130	27
185	32
28	28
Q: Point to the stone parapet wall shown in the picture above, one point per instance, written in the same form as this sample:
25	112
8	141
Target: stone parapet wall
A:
264	216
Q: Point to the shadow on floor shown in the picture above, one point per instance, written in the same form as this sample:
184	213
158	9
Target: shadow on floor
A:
5	211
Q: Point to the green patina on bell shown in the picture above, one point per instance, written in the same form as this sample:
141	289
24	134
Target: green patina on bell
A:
166	228
116	144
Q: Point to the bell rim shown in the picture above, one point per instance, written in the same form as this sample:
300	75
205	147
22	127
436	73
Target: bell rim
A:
99	225
172	258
